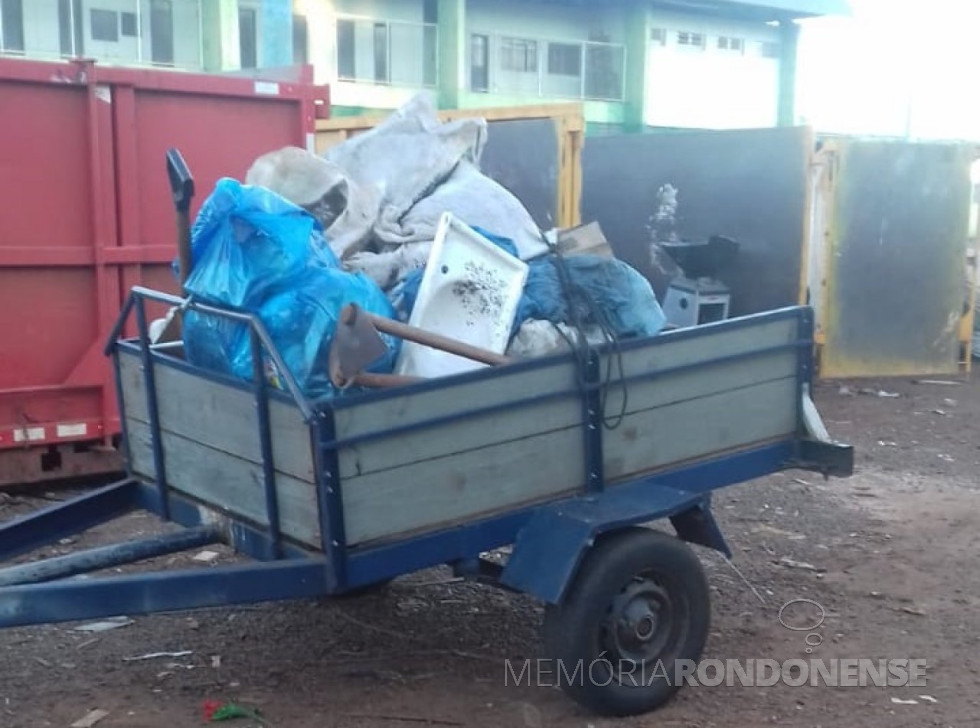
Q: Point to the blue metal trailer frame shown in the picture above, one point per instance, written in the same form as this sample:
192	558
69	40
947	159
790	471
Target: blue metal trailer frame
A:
557	532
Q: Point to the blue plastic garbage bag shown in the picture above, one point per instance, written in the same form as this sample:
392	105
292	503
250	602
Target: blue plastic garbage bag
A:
254	251
597	287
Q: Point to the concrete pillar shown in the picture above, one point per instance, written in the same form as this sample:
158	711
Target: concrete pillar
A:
638	25
219	24
452	52
790	37
276	33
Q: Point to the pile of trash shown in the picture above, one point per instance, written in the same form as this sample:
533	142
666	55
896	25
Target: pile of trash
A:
392	258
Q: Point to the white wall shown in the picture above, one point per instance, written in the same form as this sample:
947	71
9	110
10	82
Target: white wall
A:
710	87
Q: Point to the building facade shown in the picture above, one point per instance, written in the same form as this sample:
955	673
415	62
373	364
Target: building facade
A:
632	63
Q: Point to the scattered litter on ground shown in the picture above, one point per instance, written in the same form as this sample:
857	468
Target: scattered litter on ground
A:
773	531
940	382
913	611
206	557
899	701
928	698
794	564
883	394
104	625
215	711
90	719
155	655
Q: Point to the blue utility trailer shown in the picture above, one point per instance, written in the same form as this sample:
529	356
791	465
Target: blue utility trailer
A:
564	458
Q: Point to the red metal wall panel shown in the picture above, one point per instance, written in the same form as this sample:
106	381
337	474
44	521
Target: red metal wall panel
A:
87	214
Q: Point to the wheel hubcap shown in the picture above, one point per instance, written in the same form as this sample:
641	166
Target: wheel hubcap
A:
640	623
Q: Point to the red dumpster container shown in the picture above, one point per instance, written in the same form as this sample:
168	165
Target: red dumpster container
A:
86	213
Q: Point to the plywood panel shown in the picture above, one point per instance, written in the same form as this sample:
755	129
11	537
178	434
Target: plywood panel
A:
699	427
462	486
508	385
459	436
230	483
219	416
710	343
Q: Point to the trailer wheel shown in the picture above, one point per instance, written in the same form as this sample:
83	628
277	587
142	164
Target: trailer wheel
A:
639	602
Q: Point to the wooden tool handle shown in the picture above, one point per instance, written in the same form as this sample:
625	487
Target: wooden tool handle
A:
427	338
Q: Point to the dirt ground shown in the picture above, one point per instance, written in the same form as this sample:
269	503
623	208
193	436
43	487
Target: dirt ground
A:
893	548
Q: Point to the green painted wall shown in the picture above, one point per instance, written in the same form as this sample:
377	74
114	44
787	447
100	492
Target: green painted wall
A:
451	19
790	33
638	31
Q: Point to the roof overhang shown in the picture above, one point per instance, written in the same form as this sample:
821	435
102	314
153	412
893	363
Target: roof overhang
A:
762	10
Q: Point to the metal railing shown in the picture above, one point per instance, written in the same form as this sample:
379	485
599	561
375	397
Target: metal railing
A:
387	52
550	68
132	34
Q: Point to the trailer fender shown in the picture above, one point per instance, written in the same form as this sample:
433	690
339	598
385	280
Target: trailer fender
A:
550	546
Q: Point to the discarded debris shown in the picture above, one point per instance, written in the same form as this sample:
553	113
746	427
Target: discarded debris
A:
950	402
155	655
405	718
104	625
941	382
86	643
899	701
941	413
914	611
215	711
206	557
945	457
773	531
928	698
887	443
90	718
215	661
793	564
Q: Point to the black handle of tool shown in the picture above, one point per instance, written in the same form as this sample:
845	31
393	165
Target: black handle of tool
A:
182	186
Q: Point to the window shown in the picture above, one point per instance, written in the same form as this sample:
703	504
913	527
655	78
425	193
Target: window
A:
729	43
247	37
71	37
604	71
127	24
381	52
694	40
770	50
301	40
162	32
105	25
517	54
12	19
345	49
479	63
564	59
658	36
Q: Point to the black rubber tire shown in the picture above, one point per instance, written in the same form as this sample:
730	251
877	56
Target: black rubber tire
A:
576	631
